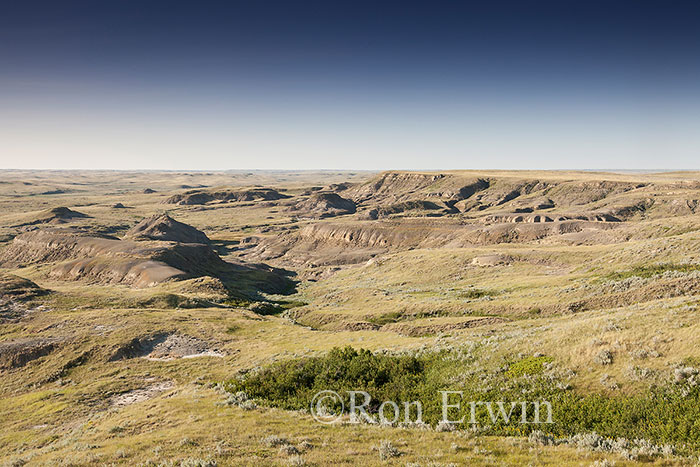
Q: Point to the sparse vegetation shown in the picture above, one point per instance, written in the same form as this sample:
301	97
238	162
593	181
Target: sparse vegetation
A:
274	441
387	450
604	357
647	272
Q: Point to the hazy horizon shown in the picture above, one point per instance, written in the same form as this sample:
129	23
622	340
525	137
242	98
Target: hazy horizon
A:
355	86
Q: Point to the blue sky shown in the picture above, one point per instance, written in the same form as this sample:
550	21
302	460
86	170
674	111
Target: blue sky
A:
350	85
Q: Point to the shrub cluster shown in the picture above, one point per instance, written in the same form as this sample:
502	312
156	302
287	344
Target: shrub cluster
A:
664	414
291	384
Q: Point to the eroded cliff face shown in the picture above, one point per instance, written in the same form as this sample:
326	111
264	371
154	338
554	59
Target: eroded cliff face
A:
80	256
464	193
404	210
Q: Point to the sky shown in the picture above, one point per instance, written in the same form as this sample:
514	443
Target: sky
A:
209	85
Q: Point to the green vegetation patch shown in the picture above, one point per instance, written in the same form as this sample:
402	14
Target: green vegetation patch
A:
528	366
472	294
667	414
274	307
386	318
292	384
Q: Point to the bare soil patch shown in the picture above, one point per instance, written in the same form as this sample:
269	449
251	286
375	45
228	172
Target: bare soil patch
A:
139	395
165	346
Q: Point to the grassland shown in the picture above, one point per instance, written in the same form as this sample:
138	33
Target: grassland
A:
609	308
